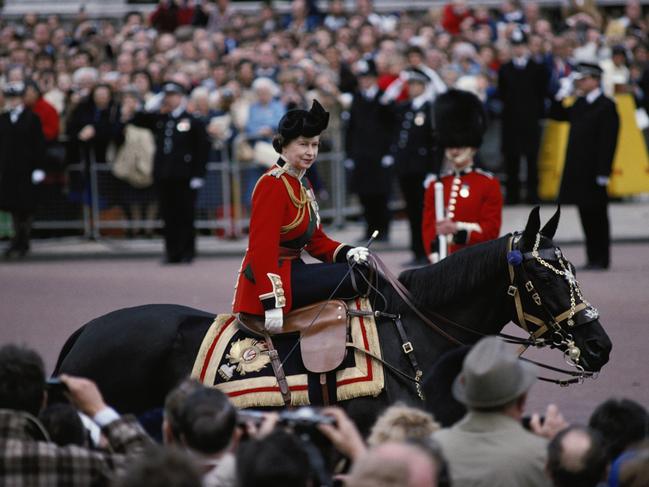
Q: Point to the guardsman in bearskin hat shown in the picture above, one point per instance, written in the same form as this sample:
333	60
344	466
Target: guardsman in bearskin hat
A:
472	202
284	222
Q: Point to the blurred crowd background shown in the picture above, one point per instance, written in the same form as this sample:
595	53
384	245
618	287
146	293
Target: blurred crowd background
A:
242	70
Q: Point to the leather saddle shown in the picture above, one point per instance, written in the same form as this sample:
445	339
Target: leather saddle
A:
323	332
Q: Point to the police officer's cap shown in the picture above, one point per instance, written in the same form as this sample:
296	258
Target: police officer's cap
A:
171	87
518	37
417	75
460	119
16	88
296	123
587	69
366	67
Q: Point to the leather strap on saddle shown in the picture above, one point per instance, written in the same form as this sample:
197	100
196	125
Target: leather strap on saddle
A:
278	370
323	332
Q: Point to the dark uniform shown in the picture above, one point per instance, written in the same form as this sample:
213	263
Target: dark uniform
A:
591	147
522	89
413	149
182	146
367	142
22	150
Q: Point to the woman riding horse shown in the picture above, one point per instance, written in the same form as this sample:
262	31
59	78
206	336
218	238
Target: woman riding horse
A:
273	279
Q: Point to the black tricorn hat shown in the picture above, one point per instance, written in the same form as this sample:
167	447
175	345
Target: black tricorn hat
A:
296	123
460	119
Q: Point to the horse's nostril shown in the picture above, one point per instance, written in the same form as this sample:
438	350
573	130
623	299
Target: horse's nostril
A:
596	349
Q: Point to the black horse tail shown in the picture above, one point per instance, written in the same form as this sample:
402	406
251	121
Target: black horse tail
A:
67	346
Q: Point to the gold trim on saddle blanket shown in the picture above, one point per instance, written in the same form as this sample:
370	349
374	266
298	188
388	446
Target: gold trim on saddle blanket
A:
365	378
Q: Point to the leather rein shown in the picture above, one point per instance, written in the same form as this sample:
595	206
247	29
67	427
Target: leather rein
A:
579	313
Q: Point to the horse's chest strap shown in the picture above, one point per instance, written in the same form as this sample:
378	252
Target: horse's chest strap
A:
408	349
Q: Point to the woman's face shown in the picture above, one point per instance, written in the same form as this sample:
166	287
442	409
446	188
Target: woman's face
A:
301	153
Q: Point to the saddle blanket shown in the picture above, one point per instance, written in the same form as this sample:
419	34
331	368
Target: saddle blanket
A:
237	362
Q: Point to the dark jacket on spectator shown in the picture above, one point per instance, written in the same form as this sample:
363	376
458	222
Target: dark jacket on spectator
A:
27	459
22	149
107	128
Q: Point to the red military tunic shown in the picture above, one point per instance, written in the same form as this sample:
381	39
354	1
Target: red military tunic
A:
284	220
473	200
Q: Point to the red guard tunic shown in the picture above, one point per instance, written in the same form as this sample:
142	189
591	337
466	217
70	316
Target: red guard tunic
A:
473	200
284	220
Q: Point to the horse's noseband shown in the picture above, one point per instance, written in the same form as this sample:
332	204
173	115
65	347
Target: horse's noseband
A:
579	313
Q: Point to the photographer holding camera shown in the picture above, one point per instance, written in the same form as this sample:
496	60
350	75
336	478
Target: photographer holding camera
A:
27	457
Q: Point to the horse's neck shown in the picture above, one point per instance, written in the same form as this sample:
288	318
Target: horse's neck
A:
485	311
483	305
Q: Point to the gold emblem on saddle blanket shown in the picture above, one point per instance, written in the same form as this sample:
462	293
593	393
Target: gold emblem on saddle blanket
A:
249	355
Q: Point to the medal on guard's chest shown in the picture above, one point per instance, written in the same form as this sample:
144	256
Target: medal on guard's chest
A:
183	125
249	355
420	118
464	191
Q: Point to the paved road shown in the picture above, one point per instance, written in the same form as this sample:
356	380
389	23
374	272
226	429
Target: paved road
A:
42	302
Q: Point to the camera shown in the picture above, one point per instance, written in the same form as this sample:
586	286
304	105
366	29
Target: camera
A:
56	391
301	417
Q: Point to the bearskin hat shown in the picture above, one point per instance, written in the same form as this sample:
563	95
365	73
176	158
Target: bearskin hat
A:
460	119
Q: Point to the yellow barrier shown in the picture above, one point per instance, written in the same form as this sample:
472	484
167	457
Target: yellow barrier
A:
630	174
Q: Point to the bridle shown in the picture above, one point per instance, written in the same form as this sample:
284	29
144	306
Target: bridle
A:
579	313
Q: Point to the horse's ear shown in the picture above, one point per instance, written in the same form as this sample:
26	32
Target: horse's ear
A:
532	228
550	228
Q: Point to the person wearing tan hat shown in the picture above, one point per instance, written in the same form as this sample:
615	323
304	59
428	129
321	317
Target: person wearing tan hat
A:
489	446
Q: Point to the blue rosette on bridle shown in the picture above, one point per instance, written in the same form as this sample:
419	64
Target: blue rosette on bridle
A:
514	257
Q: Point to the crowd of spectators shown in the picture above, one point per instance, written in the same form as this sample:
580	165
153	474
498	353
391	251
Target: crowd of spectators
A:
242	71
64	433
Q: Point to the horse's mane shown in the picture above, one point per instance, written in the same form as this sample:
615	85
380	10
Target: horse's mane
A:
458	275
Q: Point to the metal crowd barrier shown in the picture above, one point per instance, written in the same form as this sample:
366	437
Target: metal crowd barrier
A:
94	203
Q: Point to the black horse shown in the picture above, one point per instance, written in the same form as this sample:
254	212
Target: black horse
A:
136	355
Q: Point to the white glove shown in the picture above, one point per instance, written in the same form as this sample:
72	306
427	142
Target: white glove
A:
566	87
37	176
601	180
274	320
196	183
430	178
387	160
358	255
